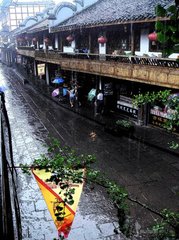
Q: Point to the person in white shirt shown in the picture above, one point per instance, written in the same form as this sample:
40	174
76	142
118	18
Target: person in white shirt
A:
100	102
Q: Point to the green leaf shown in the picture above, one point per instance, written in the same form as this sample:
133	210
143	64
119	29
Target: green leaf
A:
172	9
175	38
173	17
160	11
159	26
162	38
71	202
173	28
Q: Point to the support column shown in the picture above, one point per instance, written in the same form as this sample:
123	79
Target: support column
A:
89	43
56	42
100	83
47	74
132	40
144	41
35	68
37	45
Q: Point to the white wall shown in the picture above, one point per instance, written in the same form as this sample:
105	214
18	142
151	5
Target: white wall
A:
144	45
144	41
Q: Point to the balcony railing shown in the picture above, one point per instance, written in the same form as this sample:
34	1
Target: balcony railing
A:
150	61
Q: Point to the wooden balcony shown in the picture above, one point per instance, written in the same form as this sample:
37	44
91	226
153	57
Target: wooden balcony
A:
156	71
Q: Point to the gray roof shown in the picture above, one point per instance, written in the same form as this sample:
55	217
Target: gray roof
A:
113	11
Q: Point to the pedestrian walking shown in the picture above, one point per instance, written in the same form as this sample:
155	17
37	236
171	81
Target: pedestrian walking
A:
99	102
71	93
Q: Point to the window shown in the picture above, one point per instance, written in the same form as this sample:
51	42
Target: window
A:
18	9
24	9
13	22
13	16
30	9
12	10
18	16
24	15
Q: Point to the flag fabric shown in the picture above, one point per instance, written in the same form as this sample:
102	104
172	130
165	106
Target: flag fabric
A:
54	198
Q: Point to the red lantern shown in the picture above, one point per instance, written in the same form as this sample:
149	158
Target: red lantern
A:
102	40
70	38
152	36
19	39
46	40
34	39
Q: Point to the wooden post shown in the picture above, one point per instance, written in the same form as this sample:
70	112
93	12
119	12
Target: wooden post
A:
89	43
132	40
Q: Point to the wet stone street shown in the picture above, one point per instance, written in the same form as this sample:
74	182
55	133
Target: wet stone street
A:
149	174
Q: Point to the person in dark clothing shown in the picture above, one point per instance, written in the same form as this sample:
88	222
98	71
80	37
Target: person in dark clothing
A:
99	102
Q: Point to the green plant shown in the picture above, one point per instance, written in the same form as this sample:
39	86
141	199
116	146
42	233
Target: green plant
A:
62	161
167	227
173	145
124	123
151	97
168	31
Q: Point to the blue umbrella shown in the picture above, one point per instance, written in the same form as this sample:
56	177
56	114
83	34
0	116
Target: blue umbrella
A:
58	80
2	88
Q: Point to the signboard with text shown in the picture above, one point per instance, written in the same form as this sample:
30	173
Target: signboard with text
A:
41	69
108	89
127	109
159	118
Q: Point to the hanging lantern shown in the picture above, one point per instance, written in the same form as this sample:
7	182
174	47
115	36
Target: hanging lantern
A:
102	40
152	36
70	38
46	40
19	39
34	39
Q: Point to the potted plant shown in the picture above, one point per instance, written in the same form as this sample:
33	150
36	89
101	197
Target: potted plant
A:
120	127
124	126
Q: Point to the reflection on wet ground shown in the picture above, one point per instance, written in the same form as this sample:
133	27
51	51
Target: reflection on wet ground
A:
149	174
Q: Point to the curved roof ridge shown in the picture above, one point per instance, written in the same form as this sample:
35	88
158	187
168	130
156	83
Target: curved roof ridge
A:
60	5
23	23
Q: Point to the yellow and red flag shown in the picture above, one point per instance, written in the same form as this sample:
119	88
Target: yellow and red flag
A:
54	198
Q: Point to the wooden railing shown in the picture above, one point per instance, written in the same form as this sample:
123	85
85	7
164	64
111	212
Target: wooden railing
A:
151	61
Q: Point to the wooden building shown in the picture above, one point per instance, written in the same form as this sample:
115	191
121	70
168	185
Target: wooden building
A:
106	46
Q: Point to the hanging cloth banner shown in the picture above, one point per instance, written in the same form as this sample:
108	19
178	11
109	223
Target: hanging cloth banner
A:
41	69
54	198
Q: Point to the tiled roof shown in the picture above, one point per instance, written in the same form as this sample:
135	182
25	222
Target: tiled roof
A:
111	11
40	26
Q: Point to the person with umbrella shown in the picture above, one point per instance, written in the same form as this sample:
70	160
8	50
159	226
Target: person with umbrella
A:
71	93
58	91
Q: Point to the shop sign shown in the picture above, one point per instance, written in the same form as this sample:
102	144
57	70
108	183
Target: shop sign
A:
127	108
41	69
108	89
159	118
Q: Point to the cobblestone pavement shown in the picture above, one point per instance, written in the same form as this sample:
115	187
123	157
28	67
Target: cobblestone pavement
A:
149	174
96	217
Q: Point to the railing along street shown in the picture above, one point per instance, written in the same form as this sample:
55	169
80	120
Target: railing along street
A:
10	224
